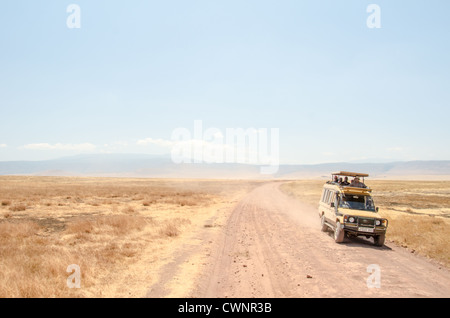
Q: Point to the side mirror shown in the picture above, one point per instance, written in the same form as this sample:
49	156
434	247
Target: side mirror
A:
332	204
376	209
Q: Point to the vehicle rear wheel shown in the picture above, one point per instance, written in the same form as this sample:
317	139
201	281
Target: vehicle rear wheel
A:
379	239
339	233
324	225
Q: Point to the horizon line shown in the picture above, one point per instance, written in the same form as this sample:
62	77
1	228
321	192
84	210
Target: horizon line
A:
168	156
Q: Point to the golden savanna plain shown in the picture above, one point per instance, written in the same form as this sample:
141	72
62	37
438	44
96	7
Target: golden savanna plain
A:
121	231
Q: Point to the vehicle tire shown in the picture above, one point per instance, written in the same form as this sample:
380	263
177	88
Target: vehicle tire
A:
339	233
379	239
324	225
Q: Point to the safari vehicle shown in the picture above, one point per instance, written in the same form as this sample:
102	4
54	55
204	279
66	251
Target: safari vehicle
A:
349	210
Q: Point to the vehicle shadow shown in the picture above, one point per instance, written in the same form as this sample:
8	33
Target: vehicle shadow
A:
360	241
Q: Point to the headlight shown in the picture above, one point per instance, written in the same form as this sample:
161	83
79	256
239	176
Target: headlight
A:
377	222
351	219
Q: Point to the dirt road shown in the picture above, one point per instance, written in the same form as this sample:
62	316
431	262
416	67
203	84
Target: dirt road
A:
270	245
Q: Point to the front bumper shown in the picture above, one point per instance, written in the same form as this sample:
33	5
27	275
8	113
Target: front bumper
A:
360	230
365	226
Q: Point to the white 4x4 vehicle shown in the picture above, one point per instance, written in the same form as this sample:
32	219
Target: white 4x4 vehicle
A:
349	210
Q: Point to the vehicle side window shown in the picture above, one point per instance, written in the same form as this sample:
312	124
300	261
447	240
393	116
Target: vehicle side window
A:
324	192
333	197
327	196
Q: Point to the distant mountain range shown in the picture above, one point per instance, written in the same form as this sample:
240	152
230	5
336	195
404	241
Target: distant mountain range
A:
151	166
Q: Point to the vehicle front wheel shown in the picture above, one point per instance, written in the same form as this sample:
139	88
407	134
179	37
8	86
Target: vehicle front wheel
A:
339	233
324	225
379	239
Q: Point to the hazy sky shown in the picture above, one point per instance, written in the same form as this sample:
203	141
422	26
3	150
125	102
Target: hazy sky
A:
135	71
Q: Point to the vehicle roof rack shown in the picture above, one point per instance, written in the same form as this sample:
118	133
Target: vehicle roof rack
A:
350	174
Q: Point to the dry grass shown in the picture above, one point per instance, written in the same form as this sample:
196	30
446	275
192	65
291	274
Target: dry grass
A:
111	224
18	207
172	228
418	212
31	263
104	225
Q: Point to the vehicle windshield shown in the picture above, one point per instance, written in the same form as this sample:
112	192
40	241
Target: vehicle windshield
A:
357	202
